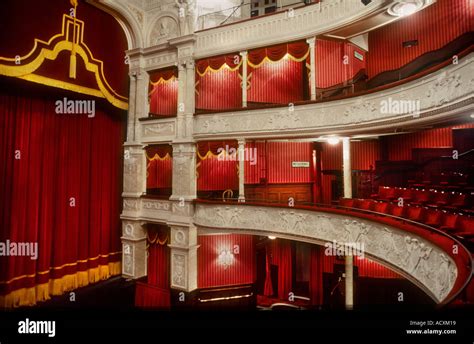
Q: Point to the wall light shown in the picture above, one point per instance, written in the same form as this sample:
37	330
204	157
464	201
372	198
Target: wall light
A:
334	140
407	8
472	115
226	258
271	237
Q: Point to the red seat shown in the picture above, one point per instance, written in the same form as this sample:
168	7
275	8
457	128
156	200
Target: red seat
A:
416	214
466	227
386	193
433	217
448	221
381	207
457	201
407	195
346	202
395	210
365	204
421	197
440	199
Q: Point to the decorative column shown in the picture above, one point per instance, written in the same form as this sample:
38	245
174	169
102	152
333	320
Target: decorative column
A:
183	257
182	84
346	166
349	282
244	78
134	253
190	98
134	257
312	55
241	156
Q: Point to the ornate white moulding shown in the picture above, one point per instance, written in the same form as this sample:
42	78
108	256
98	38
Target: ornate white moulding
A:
289	25
414	256
444	94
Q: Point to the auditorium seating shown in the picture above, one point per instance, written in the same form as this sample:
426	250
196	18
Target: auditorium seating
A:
452	220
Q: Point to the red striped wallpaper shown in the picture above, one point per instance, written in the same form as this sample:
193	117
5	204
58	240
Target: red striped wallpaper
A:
330	66
217	175
364	154
164	98
280	158
218	90
256	169
400	146
433	27
277	82
367	267
211	273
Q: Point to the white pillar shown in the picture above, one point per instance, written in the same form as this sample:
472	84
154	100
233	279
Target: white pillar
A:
346	165
180	122
241	170
244	78
349	282
190	98
312	76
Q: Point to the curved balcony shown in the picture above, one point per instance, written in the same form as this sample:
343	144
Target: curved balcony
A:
444	94
425	256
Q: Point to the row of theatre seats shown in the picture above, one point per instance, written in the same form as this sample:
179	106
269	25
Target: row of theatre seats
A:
452	201
454	223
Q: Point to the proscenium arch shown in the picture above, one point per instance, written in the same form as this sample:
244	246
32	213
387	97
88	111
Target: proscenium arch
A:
421	261
128	23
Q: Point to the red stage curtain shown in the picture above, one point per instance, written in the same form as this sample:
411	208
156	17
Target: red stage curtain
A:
217	171
268	288
163	92
218	83
316	275
159	166
149	296
63	192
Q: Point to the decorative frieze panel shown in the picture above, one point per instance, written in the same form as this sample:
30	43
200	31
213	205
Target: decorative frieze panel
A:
159	130
420	260
418	101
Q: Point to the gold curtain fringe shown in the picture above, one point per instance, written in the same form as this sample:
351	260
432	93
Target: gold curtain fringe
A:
59	286
162	80
209	154
267	59
157	157
224	66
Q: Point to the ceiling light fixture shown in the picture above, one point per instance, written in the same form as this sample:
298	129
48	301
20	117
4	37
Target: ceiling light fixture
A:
333	140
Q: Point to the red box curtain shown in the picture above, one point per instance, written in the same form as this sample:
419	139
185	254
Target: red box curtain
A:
159	166
218	83
60	188
278	74
217	169
163	92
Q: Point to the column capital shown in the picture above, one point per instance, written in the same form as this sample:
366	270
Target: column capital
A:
244	53
311	41
241	141
190	64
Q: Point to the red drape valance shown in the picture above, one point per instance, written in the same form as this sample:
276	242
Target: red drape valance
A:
233	61
163	75
296	50
159	166
213	146
158	150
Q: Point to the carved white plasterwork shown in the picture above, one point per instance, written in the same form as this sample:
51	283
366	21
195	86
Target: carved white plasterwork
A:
178	270
450	88
133	173
159	130
155	204
287	26
423	262
165	28
131	204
